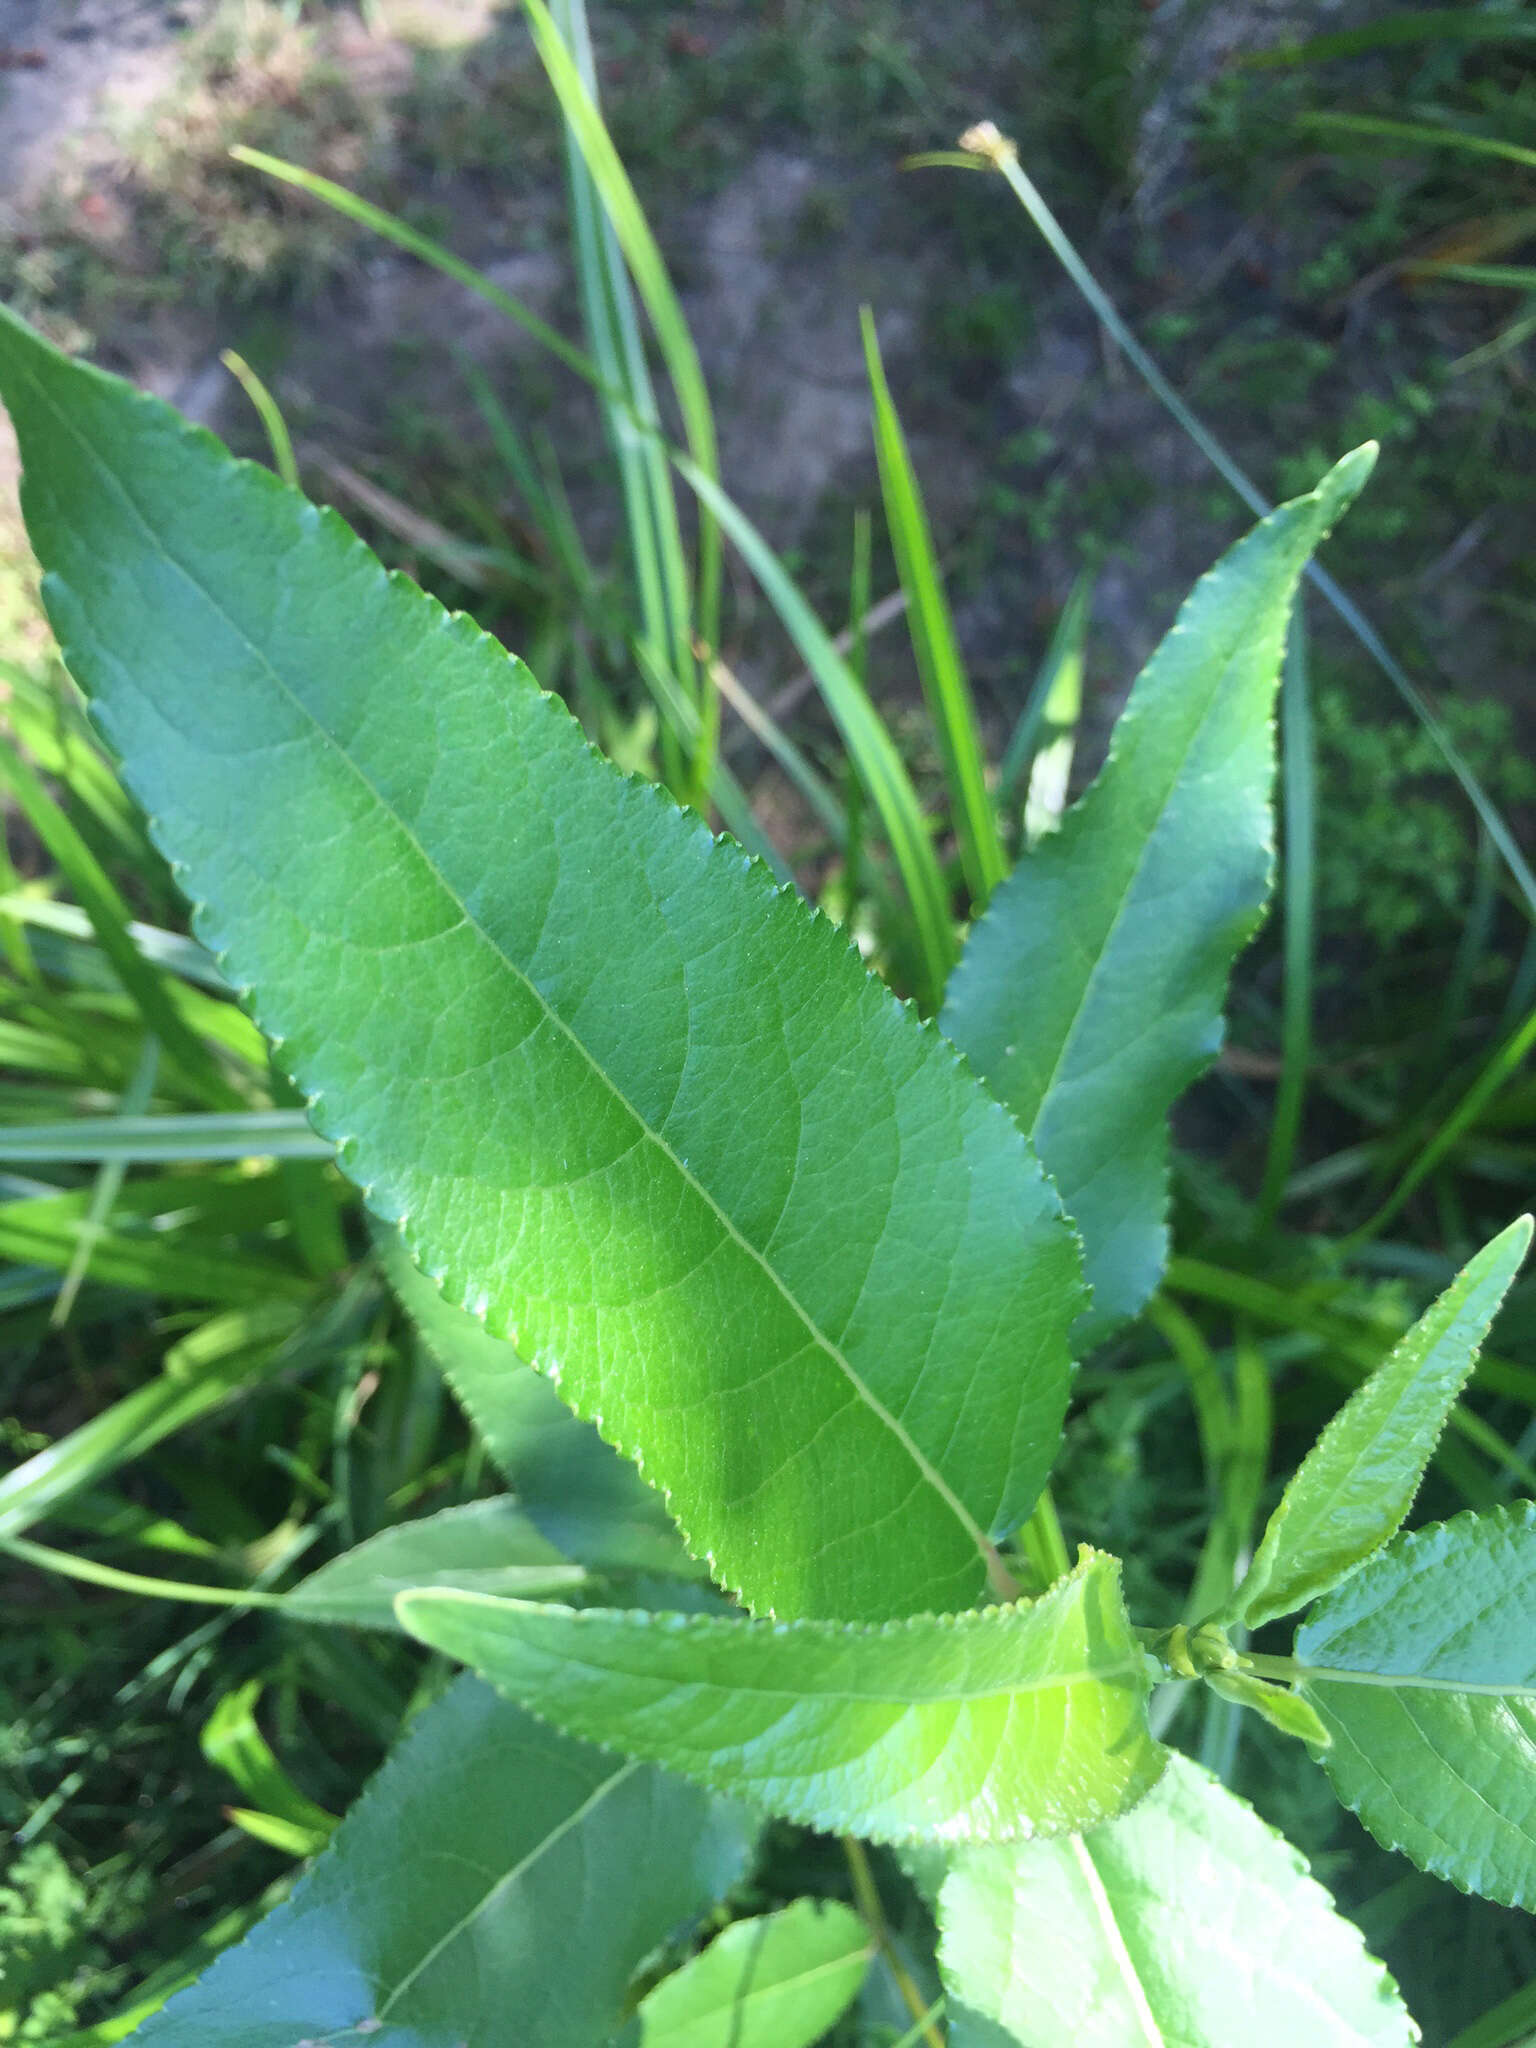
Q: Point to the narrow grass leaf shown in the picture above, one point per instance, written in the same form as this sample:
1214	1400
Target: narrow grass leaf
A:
870	746
1059	678
232	1741
1010	1721
1422	1667
1358	1481
662	579
1423	134
1186	1923
267	410
638	1108
99	898
1090	993
167	1140
486	1846
984	144
780	1981
945	684
649	271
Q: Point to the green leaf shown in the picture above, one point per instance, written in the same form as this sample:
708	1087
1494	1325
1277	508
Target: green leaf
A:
485	1848
1090	994
232	1741
1283	1709
1004	1722
1422	1667
637	1108
582	1497
1358	1481
1186	1923
939	663
489	1546
777	1982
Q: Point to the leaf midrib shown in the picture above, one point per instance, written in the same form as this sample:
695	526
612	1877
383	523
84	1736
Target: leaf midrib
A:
925	1467
571	1658
1115	1942
1409	1681
508	1878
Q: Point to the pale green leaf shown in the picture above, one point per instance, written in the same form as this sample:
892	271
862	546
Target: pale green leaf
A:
485	1848
1282	1708
1358	1481
487	1546
1186	1923
777	1982
1090	994
582	1497
1422	1667
1003	1722
633	1105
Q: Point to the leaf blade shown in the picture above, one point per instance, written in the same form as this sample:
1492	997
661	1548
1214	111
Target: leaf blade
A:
488	1545
417	1948
1116	1937
779	1981
521	1093
1089	994
1422	1666
992	1723
1357	1483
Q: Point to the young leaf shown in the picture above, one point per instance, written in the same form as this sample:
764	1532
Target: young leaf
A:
642	1112
1358	1480
777	1982
581	1496
1186	1923
1089	995
488	1546
1422	1667
464	1868
1008	1721
1283	1709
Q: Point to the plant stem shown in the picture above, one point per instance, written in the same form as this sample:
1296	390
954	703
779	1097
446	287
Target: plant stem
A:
866	1896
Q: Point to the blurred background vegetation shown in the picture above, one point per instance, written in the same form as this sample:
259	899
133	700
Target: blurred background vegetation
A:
1322	223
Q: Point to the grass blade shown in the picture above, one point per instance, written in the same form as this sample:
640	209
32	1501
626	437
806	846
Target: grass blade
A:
1428	134
109	919
869	743
109	1179
660	562
274	426
651	281
984	143
1064	655
945	684
142	1140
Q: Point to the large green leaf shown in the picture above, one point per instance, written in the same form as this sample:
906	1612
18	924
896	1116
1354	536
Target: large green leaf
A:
638	1109
1186	1923
777	1982
582	1497
486	1848
1090	993
1358	1480
1003	1722
487	1546
1423	1669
